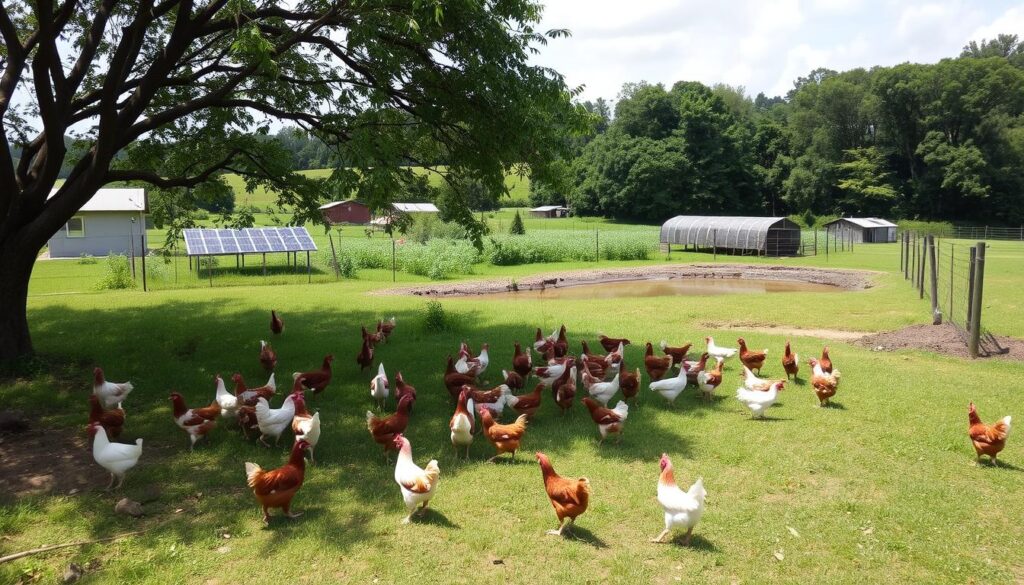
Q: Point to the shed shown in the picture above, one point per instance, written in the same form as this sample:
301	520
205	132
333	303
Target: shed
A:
352	211
771	236
549	211
105	225
863	229
415	207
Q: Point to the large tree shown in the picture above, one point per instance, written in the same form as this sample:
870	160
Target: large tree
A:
172	93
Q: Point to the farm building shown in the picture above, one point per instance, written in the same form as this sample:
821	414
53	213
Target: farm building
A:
770	236
104	225
352	211
549	211
415	207
862	229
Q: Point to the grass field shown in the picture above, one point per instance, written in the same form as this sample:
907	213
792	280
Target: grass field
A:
882	487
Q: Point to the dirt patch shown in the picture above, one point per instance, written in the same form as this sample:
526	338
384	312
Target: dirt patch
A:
847	279
945	339
47	461
833	334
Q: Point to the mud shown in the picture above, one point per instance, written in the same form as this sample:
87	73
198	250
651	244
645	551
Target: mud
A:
944	339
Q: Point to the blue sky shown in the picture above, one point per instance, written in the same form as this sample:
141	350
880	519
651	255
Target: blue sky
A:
762	46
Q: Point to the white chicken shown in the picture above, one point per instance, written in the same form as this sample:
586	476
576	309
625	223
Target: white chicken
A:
716	351
752	382
227	401
417	484
247	396
379	387
273	421
548	374
498	406
757	401
709	380
307	428
461	423
110	393
604	391
470	365
117	458
682	509
670	388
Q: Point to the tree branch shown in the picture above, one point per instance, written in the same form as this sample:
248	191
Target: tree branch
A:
172	182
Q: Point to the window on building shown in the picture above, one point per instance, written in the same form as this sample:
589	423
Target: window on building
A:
75	227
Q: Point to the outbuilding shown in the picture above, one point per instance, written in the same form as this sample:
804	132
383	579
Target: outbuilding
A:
549	211
352	211
112	222
862	230
768	236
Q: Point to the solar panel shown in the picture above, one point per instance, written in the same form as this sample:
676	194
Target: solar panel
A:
202	242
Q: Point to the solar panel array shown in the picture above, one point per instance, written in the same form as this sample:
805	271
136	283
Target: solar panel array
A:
217	242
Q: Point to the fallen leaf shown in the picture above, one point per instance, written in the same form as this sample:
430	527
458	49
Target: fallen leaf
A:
793	532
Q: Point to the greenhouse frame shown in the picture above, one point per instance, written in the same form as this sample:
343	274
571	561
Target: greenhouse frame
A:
762	236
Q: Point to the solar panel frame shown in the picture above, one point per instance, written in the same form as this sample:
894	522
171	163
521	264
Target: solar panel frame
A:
229	242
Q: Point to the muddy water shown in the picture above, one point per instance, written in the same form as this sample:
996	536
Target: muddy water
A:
695	287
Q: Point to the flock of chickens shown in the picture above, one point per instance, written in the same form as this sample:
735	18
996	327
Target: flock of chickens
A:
478	411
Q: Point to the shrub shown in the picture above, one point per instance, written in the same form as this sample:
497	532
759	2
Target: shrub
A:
438	259
517	229
435	320
118	274
346	267
86	259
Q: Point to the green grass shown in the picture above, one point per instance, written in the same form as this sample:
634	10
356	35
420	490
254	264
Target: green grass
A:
881	488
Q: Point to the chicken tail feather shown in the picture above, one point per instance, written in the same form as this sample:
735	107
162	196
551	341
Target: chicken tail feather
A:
252	473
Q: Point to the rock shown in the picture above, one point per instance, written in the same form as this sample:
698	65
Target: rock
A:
128	508
73	573
150	493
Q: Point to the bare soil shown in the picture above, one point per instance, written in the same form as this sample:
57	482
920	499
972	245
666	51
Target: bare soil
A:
47	461
945	339
847	279
834	334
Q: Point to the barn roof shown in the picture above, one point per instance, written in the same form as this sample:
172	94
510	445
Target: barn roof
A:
549	208
415	207
333	204
865	222
741	233
115	199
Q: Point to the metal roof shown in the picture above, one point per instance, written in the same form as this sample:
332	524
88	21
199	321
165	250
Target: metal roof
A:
549	208
415	207
337	203
865	222
739	233
115	199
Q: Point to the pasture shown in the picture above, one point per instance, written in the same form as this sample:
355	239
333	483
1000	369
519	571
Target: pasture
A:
882	486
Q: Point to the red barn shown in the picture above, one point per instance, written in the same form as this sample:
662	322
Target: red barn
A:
351	212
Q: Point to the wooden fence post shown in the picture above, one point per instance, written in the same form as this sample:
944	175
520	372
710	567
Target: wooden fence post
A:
920	271
934	269
970	287
715	245
334	255
952	259
979	283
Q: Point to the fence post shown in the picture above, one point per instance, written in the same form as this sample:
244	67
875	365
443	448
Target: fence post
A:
952	259
934	269
597	245
979	284
902	259
815	241
334	254
970	287
209	268
142	243
715	245
920	271
394	262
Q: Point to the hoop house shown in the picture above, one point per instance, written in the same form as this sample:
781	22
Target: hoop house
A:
770	236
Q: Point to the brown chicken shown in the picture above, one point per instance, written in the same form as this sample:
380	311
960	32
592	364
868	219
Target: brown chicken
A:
566	393
693	369
825	384
365	356
374	338
609	421
505	438
386	327
454	381
317	380
569	497
709	380
276	488
593	363
268	357
791	363
629	382
250	396
656	366
527	404
384	429
611	343
484	396
247	420
197	422
542	344
561	344
752	359
111	420
513	380
522	362
987	439
825	362
404	389
276	324
678	353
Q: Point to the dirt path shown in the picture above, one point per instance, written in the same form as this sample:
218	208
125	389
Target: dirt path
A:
834	334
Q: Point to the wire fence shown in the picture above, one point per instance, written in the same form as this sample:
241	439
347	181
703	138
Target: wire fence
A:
976	233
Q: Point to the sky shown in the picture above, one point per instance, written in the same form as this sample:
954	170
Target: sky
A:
760	45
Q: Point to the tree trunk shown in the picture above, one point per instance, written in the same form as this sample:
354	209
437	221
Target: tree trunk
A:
15	270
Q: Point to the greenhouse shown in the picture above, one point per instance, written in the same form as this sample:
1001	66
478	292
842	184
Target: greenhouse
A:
763	236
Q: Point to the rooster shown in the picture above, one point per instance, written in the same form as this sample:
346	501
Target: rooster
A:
248	396
709	380
461	423
752	359
656	366
276	324
111	420
758	402
197	422
717	351
670	388
268	357
825	385
790	363
317	380
682	509
384	430
825	361
111	394
454	381
273	421
611	343
629	383
365	356
608	420
527	404
306	427
379	389
513	380
505	438
276	488
678	353
117	458
404	389
417	484
228	402
987	439
569	497
386	327
522	362
601	391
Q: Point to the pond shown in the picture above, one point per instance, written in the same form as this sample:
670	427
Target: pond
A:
662	287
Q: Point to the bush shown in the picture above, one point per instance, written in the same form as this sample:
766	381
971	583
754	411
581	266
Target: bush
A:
438	259
346	267
435	320
86	259
517	229
118	275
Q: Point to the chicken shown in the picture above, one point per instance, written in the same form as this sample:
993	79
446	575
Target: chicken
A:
247	419
276	324
693	369
709	380
273	421
505	438
304	425
111	420
568	375
629	383
790	362
197	422
317	380
417	484
670	388
522	362
551	373
365	356
228	402
561	343
825	361
608	420
987	439
385	429
467	364
404	389
248	396
374	338
461	423
569	497
751	359
758	402
387	327
682	509
379	389
493	400
276	488
513	380
111	394
268	357
117	458
542	344
611	343
825	385
601	391
464	366
752	382
566	393
454	381
613	360
678	353
527	404
716	351
594	363
656	366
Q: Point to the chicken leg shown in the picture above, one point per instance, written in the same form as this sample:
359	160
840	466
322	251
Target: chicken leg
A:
561	526
661	537
111	484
